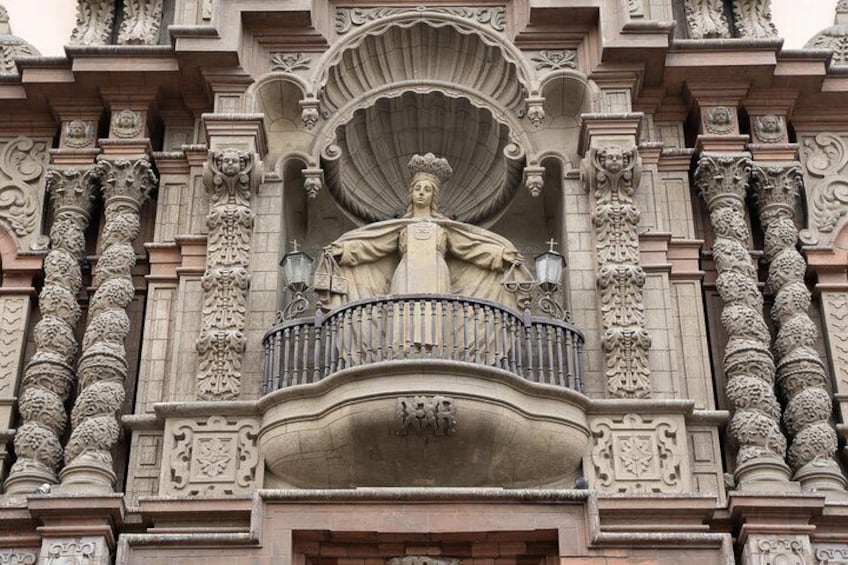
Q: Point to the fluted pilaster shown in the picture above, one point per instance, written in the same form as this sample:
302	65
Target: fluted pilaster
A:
748	363
49	375
613	173
801	375
102	367
229	176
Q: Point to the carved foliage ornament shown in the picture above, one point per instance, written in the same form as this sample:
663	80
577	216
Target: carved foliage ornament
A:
18	556
613	174
349	18
636	455
11	46
706	20
78	552
824	157
832	555
94	22
213	457
229	176
836	316
435	415
752	18
555	60
141	23
290	62
22	163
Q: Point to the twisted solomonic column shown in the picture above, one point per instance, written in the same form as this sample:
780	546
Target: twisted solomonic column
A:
748	364
229	175
801	375
613	174
49	375
102	367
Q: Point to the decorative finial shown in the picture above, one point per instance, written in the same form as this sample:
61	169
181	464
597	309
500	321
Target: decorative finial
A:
294	246
552	242
5	26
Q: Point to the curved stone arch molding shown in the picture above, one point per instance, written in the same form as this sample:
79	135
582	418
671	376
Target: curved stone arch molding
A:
255	90
333	56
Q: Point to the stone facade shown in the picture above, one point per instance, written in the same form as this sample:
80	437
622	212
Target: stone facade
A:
280	282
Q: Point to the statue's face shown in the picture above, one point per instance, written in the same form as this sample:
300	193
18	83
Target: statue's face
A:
770	124
422	193
230	164
614	161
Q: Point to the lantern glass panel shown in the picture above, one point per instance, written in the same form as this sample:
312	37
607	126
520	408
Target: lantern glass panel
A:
297	267
549	268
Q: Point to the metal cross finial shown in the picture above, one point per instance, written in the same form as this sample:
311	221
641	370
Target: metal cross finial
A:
294	245
552	242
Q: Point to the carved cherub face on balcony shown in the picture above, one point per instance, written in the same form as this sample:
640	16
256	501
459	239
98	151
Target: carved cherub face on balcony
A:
230	163
613	159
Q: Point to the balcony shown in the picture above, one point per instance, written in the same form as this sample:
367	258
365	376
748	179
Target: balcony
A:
423	390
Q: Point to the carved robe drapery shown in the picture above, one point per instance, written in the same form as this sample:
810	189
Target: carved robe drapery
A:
374	262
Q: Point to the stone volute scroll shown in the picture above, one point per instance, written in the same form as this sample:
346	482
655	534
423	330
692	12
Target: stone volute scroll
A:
613	174
49	375
423	251
748	363
801	375
230	175
102	368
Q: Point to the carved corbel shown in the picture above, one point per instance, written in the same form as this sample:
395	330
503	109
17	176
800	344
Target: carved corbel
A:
313	181
536	110
309	114
534	180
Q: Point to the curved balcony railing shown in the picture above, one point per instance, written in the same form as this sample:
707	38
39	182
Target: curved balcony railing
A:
425	326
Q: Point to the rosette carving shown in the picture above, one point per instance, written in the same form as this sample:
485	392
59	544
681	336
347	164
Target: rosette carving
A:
613	174
748	363
229	176
102	366
49	374
801	375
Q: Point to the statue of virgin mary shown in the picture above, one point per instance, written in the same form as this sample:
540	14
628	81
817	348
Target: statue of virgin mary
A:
424	252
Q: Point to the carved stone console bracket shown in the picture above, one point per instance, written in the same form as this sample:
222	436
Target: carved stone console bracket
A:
102	366
230	175
49	375
755	424
801	375
613	174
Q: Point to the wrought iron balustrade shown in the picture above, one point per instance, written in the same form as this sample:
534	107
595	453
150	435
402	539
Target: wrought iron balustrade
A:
422	327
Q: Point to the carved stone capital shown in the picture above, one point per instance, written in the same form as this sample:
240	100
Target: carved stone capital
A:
126	182
723	179
777	187
72	190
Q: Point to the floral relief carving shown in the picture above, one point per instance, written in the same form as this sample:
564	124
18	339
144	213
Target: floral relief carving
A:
752	18
748	363
835	37
102	367
82	551
212	457
49	375
349	18
426	414
632	454
801	373
11	46
141	23
832	555
824	158
613	174
13	315
790	550
94	22
22	164
290	62
706	20
555	60
229	176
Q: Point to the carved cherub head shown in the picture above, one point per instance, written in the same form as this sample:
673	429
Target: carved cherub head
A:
613	159
231	162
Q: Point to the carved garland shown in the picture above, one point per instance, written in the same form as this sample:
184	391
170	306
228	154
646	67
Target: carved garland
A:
229	176
102	366
800	372
614	175
49	375
748	363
